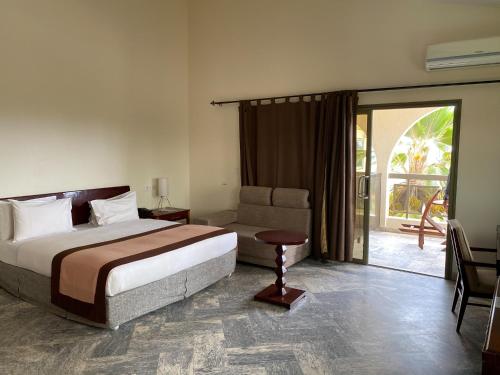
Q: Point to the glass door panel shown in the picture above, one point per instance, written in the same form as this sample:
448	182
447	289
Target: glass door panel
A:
363	167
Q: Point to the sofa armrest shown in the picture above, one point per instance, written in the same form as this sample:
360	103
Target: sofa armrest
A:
217	219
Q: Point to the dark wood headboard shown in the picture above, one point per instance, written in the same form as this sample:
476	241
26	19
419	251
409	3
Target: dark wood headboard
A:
80	199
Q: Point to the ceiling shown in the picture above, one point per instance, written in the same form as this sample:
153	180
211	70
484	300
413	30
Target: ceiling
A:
471	2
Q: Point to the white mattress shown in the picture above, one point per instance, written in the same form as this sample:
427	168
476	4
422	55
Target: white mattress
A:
37	254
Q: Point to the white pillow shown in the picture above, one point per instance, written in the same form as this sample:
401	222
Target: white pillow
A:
92	218
34	220
7	219
116	209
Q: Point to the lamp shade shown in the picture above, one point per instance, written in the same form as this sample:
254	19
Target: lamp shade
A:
162	187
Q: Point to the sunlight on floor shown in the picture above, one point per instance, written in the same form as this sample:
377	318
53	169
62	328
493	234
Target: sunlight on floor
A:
401	251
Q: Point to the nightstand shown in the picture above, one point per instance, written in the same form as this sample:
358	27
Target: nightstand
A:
172	214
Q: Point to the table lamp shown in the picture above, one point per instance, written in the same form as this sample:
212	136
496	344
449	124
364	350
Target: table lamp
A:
163	193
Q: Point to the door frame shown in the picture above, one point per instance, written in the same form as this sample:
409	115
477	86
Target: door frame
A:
366	189
452	188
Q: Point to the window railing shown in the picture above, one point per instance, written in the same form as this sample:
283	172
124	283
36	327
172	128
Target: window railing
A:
409	192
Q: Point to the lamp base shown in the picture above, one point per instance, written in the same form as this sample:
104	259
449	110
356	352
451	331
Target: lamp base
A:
160	204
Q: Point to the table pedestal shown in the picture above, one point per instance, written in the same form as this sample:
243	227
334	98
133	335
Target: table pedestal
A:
278	293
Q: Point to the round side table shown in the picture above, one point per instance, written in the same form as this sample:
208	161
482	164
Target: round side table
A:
278	293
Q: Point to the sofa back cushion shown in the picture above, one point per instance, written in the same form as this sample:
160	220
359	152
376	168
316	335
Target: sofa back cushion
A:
256	195
291	198
296	219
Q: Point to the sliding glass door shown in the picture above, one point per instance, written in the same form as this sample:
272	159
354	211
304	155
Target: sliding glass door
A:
363	170
406	162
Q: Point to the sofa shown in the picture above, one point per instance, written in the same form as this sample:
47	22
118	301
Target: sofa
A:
265	208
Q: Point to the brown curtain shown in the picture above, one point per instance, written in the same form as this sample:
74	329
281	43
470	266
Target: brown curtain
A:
338	138
308	144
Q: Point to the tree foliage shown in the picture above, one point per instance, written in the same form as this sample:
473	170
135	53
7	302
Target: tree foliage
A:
425	148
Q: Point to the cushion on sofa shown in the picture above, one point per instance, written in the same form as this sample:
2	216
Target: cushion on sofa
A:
246	231
291	198
252	251
246	238
258	195
216	219
296	219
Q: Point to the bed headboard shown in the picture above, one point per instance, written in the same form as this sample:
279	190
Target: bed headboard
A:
80	199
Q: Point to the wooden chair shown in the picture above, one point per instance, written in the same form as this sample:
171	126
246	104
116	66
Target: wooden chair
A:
474	279
434	228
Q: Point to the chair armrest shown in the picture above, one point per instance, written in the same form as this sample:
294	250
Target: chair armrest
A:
479	264
483	249
217	219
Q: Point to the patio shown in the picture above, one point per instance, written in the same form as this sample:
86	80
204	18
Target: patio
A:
401	251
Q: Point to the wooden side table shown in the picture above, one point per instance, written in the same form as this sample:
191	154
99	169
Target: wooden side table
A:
278	293
172	214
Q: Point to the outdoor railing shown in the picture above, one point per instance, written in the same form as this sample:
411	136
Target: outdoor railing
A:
409	192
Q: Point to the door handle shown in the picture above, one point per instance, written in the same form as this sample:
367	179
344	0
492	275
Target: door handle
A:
362	187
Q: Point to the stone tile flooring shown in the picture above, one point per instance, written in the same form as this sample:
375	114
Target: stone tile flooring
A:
355	320
401	251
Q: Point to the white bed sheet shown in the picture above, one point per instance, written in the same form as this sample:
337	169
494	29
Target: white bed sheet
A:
37	254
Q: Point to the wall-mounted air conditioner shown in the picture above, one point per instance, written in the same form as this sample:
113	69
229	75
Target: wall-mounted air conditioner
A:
476	52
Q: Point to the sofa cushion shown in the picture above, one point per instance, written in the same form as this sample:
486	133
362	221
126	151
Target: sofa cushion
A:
217	219
253	251
258	195
296	219
247	244
246	231
292	198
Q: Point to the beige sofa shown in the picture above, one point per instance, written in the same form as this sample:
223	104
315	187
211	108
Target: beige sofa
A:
264	208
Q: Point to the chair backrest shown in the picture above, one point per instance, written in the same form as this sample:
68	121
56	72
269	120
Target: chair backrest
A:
281	208
461	249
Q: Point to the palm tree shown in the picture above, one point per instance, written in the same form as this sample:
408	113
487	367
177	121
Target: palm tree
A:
432	133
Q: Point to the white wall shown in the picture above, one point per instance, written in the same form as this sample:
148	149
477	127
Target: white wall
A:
244	49
93	93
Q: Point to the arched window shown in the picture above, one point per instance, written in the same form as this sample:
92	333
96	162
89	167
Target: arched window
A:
425	148
420	163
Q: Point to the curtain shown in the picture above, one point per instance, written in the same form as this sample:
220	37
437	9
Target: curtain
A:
336	167
308	144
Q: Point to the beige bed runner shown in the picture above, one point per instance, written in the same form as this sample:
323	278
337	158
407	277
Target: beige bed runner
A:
79	275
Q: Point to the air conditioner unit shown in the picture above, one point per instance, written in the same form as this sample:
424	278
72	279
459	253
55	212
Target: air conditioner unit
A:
476	52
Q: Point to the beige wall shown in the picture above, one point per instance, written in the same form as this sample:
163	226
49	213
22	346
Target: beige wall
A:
93	93
242	49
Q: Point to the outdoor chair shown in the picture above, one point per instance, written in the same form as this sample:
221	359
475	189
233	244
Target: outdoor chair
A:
434	228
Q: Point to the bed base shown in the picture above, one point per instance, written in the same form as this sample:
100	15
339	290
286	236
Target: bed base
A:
35	288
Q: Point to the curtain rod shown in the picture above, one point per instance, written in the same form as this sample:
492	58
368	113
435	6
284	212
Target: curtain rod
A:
368	90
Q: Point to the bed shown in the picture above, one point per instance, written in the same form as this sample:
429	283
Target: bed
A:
131	289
